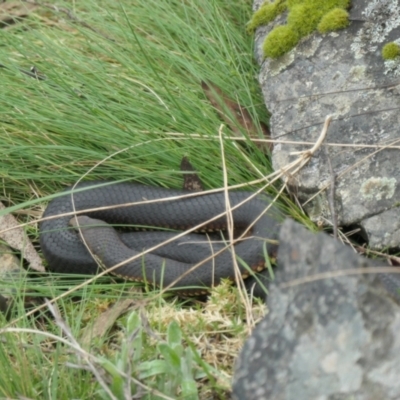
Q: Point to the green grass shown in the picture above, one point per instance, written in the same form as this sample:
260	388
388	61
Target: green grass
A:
122	100
102	96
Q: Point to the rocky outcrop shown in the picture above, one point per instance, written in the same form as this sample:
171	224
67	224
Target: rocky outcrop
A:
343	74
331	332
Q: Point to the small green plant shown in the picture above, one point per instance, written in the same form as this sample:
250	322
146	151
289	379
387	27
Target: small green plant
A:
173	370
390	51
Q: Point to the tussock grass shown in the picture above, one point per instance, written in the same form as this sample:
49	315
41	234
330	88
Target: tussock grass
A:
102	96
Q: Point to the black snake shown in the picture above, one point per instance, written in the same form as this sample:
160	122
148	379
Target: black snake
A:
65	252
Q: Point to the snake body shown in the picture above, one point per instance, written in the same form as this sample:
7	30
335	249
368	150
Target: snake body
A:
65	252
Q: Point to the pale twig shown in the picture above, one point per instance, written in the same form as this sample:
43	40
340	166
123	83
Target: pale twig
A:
388	257
292	168
336	274
197	136
230	227
318	143
332	199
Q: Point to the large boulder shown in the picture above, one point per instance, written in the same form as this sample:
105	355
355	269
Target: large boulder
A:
341	73
332	331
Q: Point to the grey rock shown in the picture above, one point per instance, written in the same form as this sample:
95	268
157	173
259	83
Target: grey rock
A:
383	230
335	337
342	74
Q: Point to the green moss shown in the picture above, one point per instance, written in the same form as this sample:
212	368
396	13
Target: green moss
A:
329	4
334	20
304	17
291	3
265	14
390	51
280	41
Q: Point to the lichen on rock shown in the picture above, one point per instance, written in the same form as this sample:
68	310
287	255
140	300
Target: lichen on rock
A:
341	74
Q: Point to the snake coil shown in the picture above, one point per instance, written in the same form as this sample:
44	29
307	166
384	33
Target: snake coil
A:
65	252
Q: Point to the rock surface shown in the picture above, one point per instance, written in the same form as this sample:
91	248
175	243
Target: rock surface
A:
333	338
342	74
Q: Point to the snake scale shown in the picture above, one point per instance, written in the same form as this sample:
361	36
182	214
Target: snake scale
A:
65	252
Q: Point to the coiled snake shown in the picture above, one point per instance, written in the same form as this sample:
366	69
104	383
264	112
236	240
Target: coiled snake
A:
65	252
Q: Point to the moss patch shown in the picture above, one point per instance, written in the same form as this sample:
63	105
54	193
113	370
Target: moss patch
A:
280	41
266	13
390	51
338	18
304	17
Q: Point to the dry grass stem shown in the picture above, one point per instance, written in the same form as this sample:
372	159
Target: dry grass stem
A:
336	274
